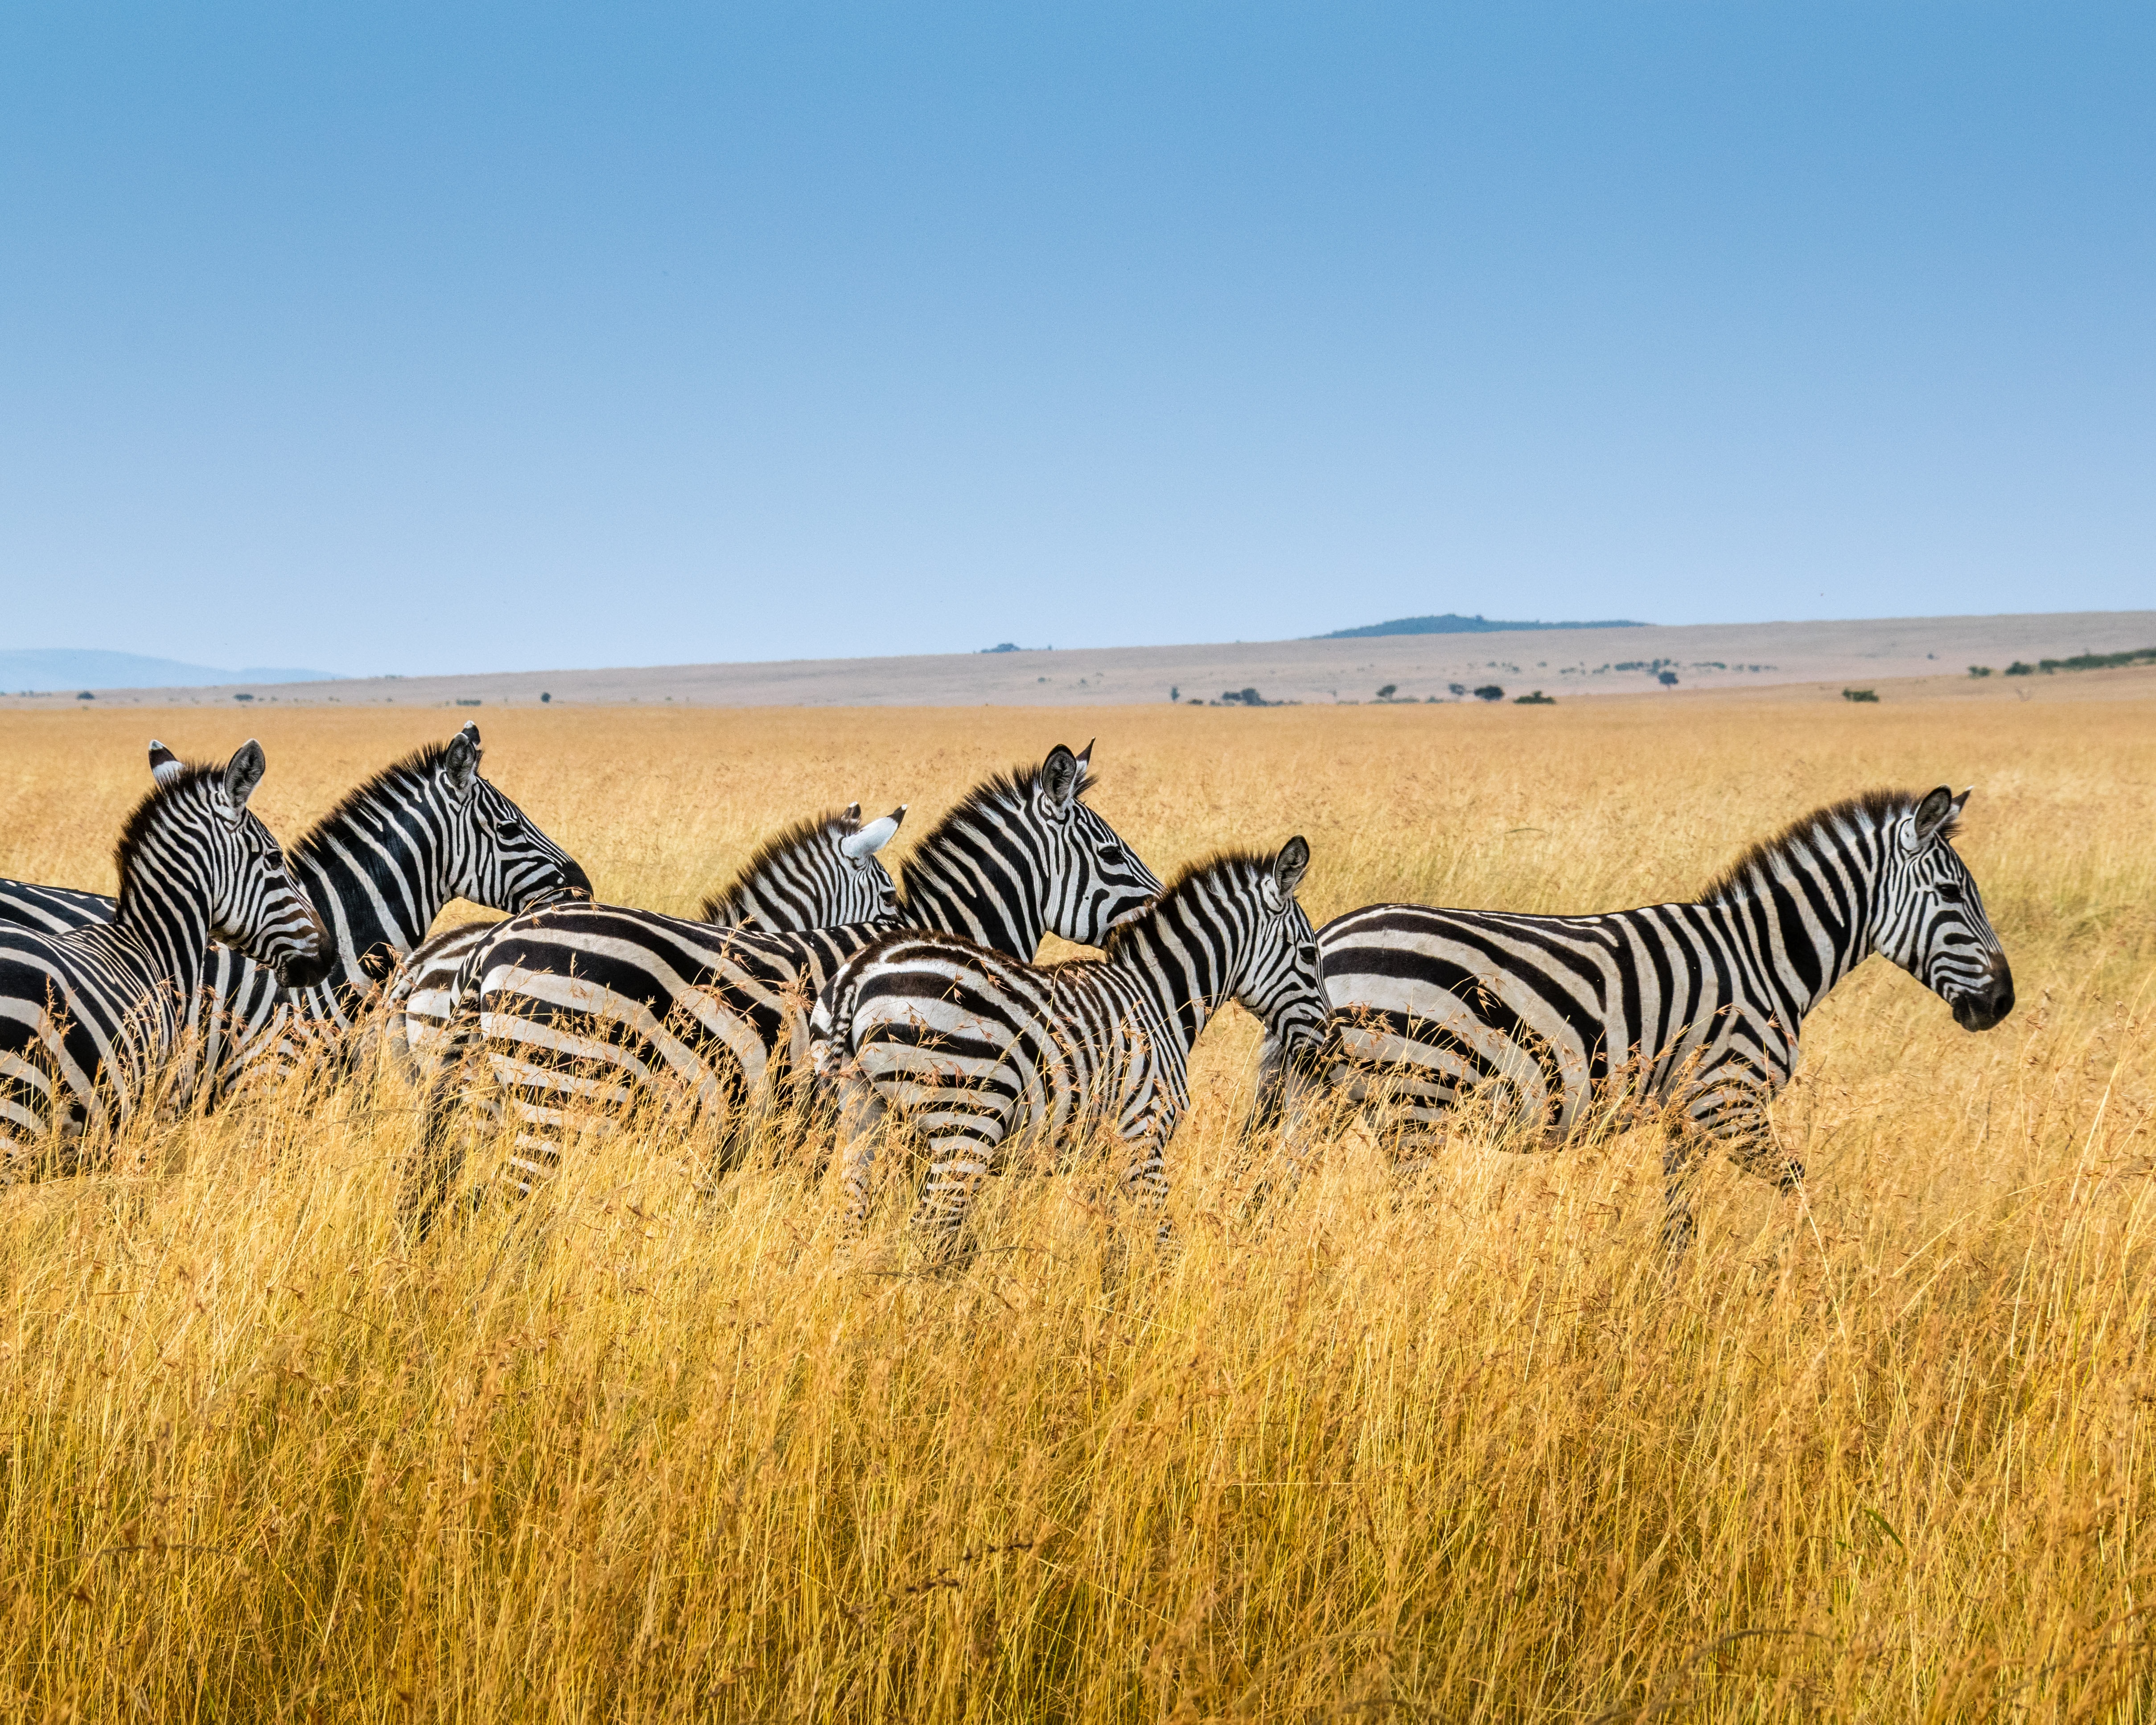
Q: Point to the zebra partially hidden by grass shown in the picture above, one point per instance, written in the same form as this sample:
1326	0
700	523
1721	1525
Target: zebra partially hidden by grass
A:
1694	1008
602	1006
820	873
379	868
89	1016
972	1049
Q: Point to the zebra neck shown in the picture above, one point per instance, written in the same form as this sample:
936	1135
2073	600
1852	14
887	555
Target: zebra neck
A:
378	887
162	914
1806	927
965	882
1186	980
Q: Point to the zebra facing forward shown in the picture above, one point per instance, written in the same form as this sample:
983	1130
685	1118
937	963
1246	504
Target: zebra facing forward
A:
971	1049
600	1004
1695	1008
379	867
88	1017
817	874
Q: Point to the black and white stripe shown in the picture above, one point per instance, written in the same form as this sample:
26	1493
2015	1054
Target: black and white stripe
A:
596	1005
972	1049
89	1018
1693	1007
379	868
820	873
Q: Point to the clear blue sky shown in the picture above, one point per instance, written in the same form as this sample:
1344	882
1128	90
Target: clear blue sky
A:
442	338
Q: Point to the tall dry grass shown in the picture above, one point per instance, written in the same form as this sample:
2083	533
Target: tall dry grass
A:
1450	1447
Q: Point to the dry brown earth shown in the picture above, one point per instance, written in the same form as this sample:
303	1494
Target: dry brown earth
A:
1562	662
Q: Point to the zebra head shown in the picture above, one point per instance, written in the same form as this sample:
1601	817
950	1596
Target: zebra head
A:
1094	880
1928	918
1279	982
493	853
213	838
823	872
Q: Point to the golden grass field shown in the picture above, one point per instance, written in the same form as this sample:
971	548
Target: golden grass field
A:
1454	1447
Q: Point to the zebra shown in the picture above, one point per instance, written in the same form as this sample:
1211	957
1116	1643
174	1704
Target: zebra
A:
972	1049
599	1004
379	867
1694	1008
817	874
88	1017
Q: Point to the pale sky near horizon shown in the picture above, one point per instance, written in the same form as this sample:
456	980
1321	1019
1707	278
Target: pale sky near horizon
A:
456	338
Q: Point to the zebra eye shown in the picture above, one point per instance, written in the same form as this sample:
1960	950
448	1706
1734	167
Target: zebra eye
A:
1950	891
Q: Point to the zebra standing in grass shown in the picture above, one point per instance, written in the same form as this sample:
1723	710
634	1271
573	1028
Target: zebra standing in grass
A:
1695	1008
973	1049
88	1017
598	1004
819	873
379	867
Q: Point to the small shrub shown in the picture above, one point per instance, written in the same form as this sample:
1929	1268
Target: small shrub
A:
1861	695
1537	699
1979	671
1490	691
2019	669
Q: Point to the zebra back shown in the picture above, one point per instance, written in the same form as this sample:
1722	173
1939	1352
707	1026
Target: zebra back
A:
819	872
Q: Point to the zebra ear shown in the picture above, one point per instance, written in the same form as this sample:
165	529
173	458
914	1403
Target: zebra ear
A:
1291	864
471	730
1061	775
1934	812
1086	762
460	761
242	773
852	817
873	837
165	766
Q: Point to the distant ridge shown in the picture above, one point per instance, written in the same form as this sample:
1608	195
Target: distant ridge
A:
1452	623
24	668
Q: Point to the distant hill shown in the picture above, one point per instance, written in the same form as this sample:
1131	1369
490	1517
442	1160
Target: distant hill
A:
1451	623
25	668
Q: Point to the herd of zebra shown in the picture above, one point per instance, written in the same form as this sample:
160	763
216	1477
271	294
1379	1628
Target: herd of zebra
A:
817	982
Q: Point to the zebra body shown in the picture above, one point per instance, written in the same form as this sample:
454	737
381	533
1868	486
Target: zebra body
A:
603	1004
379	868
1694	1008
818	873
973	1049
89	1016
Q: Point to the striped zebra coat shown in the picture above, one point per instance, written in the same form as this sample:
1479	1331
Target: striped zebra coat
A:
379	868
602	1006
1695	1008
89	1016
971	1049
820	873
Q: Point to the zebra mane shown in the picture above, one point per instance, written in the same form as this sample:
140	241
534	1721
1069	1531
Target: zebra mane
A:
413	769
1217	866
168	791
796	837
999	789
1874	809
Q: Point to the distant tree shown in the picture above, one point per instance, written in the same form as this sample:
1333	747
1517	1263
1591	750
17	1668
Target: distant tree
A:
86	694
1668	680
1861	695
1174	693
1388	692
1537	699
1490	691
2019	669
544	697
1979	671
1455	690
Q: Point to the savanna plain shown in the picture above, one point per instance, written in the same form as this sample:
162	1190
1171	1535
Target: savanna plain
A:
1449	1444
